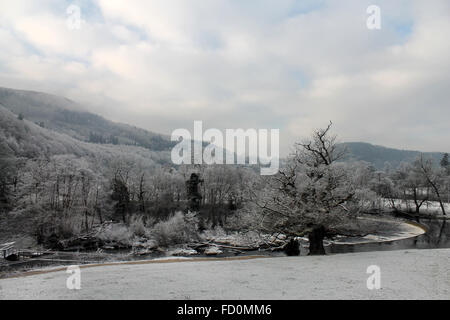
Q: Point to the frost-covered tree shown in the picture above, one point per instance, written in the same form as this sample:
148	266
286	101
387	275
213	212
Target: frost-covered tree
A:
8	178
121	194
445	162
433	176
311	194
412	184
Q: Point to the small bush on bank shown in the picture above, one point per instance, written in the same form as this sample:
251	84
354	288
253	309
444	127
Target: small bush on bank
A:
118	233
177	229
137	226
70	227
214	233
243	219
50	227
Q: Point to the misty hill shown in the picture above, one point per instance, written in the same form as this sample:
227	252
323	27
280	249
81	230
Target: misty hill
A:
25	139
68	117
379	156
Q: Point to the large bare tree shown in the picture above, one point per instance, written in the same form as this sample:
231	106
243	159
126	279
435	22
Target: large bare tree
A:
311	194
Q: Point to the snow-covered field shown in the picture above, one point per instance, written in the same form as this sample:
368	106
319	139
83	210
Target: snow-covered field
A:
410	274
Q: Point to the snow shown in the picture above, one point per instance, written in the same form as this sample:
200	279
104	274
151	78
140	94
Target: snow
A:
213	250
183	252
405	274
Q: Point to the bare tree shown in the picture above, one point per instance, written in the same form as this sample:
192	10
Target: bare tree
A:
413	185
432	176
121	194
310	194
86	189
8	181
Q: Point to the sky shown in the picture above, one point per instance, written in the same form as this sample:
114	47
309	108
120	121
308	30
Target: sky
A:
262	64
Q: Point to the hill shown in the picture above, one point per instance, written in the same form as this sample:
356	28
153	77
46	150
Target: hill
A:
40	167
68	117
379	156
25	139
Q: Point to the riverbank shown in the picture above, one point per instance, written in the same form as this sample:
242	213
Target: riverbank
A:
405	274
379	229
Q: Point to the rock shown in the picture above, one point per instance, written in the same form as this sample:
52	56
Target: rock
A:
281	237
184	252
292	248
12	257
115	245
141	252
278	241
212	251
142	248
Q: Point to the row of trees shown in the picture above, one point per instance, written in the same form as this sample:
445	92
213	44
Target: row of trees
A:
223	189
313	194
414	185
69	188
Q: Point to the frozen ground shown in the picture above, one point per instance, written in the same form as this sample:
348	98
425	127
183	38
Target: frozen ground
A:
411	274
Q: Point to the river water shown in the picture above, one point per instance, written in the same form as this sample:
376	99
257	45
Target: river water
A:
437	236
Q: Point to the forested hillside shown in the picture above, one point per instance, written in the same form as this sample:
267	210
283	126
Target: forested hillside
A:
380	156
65	116
54	187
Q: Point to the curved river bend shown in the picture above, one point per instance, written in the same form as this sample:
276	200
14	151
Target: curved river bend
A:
436	236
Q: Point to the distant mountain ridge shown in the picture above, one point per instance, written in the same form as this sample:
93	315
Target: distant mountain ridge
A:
378	156
68	117
24	139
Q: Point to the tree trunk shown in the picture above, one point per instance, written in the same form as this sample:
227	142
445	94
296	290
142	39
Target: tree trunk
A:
86	224
316	237
292	248
99	212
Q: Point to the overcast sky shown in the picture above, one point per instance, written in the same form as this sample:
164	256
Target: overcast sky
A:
292	65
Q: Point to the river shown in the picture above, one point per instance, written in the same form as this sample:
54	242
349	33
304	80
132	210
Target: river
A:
436	236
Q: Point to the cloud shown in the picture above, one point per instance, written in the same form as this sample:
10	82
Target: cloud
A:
293	65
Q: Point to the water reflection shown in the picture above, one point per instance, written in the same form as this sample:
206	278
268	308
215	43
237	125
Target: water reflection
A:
437	236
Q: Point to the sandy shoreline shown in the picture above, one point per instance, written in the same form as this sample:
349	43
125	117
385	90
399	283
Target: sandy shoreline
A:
405	274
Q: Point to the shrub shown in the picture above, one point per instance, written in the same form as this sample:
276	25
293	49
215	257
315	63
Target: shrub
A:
176	230
49	227
137	226
70	226
243	219
116	233
214	233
